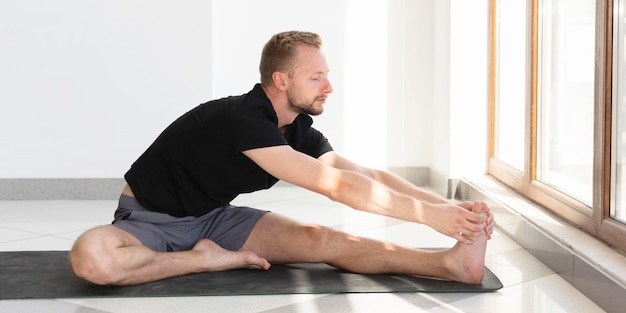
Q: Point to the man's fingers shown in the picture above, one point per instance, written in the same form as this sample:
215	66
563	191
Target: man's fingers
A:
466	205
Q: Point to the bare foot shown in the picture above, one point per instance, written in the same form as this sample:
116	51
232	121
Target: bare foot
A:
217	258
466	262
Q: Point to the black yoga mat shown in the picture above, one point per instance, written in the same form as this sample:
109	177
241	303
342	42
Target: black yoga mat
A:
46	275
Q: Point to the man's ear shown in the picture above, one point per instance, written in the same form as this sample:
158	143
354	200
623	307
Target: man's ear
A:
279	80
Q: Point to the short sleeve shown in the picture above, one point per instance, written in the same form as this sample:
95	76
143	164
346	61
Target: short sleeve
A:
306	139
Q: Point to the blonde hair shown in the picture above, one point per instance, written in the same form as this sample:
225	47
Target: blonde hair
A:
279	53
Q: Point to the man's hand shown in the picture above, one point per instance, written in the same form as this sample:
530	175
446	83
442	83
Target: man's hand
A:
491	222
458	221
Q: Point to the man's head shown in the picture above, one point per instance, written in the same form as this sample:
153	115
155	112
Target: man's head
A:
294	63
279	53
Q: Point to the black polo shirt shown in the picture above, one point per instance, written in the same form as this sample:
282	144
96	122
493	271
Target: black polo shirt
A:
197	164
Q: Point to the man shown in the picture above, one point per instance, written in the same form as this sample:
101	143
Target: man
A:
174	216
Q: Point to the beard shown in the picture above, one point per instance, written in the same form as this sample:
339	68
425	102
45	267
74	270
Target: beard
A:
304	106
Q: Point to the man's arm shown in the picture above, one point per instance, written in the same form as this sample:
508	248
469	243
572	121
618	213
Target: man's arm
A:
386	178
400	185
361	189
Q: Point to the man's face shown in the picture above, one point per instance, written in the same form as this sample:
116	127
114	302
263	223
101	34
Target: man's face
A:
308	84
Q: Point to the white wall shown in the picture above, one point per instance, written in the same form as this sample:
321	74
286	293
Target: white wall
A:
460	87
410	84
86	86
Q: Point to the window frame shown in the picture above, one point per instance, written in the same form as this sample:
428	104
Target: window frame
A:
596	219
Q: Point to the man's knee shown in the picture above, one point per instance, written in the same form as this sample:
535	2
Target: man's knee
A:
320	240
91	257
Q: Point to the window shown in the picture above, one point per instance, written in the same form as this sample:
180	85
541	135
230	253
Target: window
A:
618	172
558	103
565	96
510	75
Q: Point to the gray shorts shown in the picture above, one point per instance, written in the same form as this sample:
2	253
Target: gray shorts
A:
227	226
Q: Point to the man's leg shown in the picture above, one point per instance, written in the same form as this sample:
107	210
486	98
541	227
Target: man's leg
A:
282	240
107	255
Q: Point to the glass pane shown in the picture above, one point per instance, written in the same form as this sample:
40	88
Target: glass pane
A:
618	207
566	96
510	82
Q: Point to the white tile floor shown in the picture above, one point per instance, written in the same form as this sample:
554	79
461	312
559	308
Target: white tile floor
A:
529	286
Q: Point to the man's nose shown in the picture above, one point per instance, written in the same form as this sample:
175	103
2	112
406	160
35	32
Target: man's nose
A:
328	88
